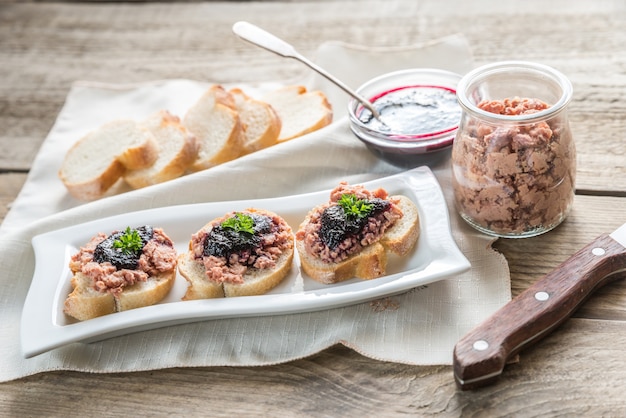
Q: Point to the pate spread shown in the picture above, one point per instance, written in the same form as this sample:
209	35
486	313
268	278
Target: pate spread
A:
332	236
227	253
112	270
514	178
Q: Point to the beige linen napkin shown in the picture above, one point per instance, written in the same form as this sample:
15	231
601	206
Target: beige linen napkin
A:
417	327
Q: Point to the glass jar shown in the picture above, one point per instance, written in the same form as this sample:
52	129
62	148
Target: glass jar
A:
513	158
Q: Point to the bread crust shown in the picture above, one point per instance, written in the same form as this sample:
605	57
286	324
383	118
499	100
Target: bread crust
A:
256	281
367	264
99	159
195	274
146	293
261	283
224	125
214	120
261	123
403	236
178	149
371	261
140	156
300	111
87	303
94	187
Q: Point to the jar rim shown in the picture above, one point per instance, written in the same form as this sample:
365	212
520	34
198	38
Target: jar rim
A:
500	67
442	79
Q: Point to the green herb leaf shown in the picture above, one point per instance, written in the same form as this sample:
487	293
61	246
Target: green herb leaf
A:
354	207
129	241
240	223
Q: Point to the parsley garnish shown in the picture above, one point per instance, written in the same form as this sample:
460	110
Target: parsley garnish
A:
354	207
240	223
129	241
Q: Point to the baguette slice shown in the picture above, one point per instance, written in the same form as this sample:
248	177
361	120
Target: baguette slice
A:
195	273
256	281
371	262
214	120
259	282
402	237
367	264
300	111
86	303
100	158
178	149
260	121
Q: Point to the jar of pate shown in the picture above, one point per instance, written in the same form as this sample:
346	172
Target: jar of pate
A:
513	158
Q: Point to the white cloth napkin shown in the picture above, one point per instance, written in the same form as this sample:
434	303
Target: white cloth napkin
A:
418	327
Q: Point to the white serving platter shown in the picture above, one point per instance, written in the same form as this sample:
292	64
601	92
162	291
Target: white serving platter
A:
45	327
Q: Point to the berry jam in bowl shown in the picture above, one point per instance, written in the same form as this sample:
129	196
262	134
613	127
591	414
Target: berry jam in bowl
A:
419	115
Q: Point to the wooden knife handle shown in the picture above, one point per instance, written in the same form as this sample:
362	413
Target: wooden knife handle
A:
480	356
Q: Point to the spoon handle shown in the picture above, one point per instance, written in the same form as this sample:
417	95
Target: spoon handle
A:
266	40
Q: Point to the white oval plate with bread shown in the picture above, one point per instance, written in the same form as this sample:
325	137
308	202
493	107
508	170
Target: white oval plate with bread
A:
44	326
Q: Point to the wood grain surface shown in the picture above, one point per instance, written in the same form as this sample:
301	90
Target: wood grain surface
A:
576	371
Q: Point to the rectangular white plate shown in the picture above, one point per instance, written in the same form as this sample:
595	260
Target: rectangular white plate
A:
44	326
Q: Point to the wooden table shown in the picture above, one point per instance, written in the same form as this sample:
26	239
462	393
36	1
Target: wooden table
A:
580	369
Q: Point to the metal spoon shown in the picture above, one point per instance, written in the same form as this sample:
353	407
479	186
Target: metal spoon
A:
264	39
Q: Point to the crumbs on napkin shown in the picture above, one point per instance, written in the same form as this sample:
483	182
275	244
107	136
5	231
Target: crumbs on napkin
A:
380	305
383	304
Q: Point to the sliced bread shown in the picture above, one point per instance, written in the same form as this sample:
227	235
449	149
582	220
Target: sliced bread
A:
109	277
178	149
85	302
256	281
367	264
215	122
199	286
371	261
260	122
100	158
300	111
259	282
403	235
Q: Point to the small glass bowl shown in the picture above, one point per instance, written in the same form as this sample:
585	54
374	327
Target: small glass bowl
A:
403	148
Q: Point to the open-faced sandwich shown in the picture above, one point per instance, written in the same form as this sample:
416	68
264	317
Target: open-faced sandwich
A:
349	235
242	253
128	269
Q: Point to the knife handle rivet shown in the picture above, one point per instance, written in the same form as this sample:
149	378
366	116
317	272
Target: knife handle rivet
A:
542	296
480	345
598	251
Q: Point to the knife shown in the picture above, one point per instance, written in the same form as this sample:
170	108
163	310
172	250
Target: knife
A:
480	356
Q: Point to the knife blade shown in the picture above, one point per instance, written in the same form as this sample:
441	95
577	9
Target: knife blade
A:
480	356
